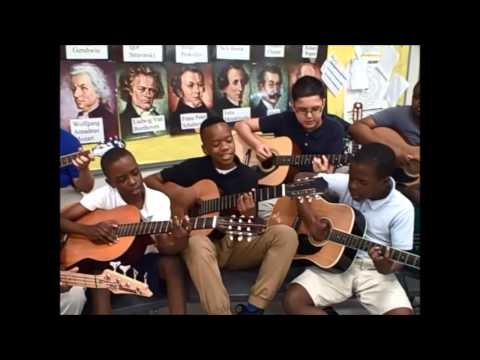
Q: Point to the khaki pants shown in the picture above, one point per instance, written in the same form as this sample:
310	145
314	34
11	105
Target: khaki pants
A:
274	250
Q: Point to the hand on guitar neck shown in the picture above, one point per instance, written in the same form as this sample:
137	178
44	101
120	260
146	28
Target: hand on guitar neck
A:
321	165
83	159
64	287
382	261
177	239
246	205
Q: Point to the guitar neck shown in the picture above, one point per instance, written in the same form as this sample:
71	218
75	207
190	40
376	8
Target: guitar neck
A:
159	227
84	280
68	159
230	201
360	243
306	159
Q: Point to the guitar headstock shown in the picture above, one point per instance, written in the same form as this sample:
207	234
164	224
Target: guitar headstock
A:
308	198
241	227
122	284
308	186
101	148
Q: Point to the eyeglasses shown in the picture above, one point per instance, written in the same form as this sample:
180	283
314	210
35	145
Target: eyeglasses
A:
316	110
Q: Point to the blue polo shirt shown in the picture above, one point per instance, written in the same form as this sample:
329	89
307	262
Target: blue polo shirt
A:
327	139
68	144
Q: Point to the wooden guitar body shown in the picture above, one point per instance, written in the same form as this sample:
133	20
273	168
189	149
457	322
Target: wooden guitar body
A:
325	254
269	174
78	249
184	200
400	146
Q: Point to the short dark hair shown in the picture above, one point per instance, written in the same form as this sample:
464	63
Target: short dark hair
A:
222	78
212	120
176	80
308	86
380	156
113	155
274	69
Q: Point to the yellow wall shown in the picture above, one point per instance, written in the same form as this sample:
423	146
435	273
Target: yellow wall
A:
345	53
161	149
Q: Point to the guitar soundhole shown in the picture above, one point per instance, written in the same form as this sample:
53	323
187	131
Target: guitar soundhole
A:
318	236
413	168
268	165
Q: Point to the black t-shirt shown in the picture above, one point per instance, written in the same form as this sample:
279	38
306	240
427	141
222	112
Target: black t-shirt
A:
190	171
327	139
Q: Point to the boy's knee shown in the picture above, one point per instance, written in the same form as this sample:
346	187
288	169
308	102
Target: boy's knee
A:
294	299
199	246
285	235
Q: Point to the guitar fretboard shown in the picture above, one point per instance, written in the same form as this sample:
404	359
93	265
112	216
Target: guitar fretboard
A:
357	242
68	159
230	201
84	280
306	159
158	227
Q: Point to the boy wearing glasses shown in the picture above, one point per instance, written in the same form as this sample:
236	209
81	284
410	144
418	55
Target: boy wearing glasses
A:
309	128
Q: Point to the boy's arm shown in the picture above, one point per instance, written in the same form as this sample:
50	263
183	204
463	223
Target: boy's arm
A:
245	129
101	233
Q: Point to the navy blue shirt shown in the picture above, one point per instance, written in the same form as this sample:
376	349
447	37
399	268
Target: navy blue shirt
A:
327	139
68	144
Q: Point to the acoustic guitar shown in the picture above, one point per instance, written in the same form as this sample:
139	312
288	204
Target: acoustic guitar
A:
411	171
132	237
203	197
109	279
277	169
98	151
334	249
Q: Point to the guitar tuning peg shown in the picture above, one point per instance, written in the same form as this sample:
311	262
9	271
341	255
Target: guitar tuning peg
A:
240	220
230	237
124	268
248	228
115	264
234	216
145	278
301	199
309	199
242	216
240	238
249	239
239	228
135	273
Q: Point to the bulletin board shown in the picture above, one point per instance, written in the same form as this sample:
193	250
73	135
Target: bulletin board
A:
168	143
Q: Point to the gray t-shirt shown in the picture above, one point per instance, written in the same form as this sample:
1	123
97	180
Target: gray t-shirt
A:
400	118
